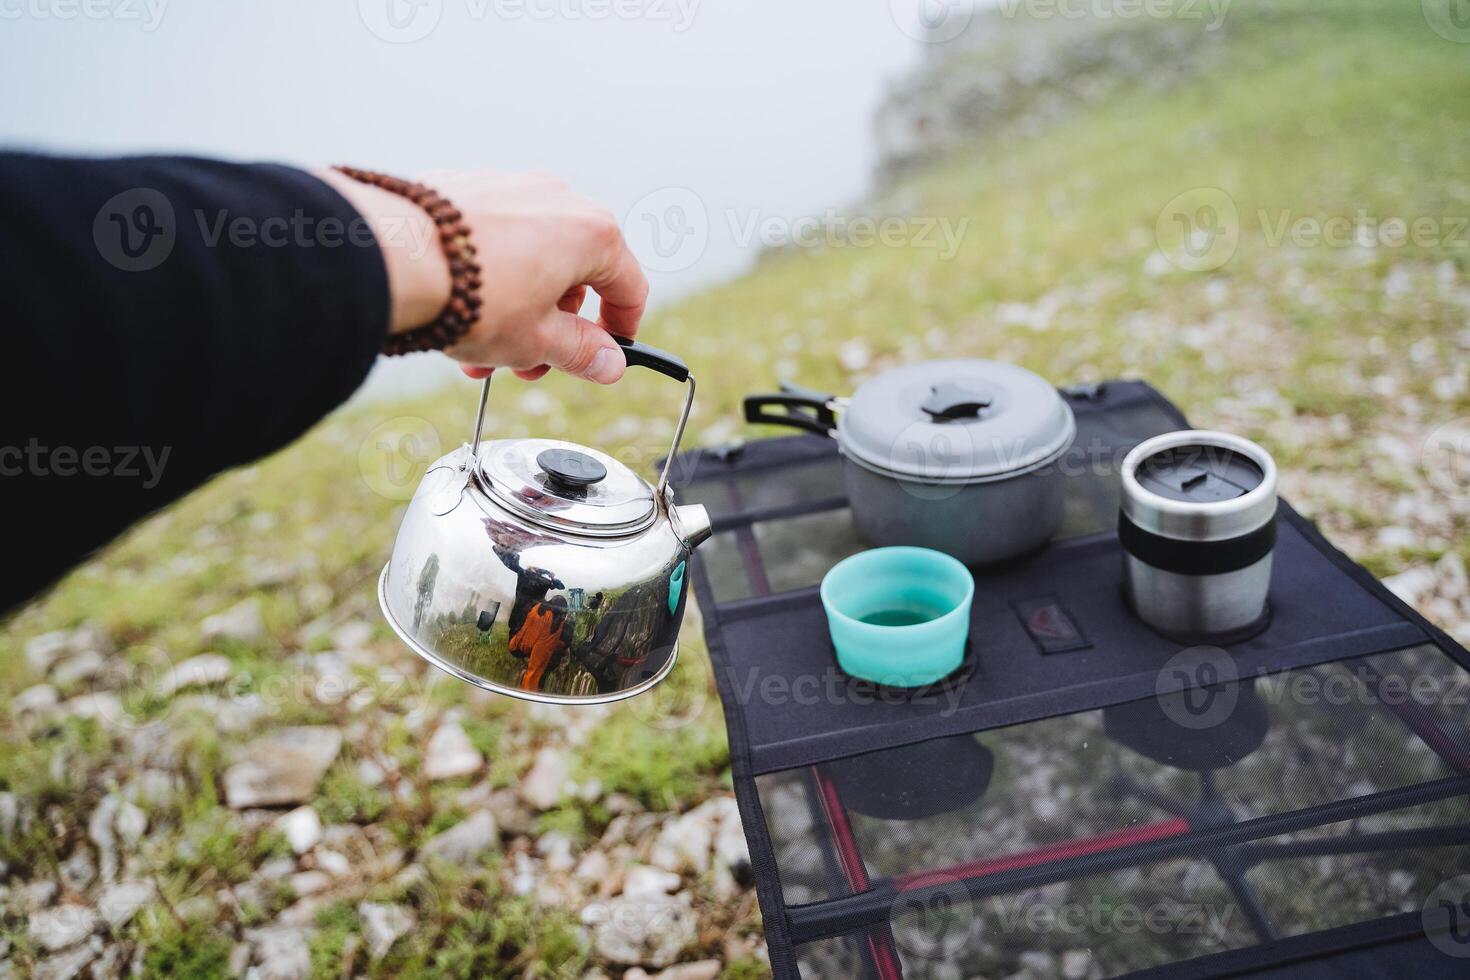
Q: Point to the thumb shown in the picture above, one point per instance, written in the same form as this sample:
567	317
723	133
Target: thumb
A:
580	347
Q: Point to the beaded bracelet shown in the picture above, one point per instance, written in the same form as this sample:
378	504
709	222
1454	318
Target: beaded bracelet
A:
454	321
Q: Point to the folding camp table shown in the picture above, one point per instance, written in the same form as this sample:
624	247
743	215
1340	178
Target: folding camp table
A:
1084	798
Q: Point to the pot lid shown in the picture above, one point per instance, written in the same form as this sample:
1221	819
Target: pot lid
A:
565	486
956	421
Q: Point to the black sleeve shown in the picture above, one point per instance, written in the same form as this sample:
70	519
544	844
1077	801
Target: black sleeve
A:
164	319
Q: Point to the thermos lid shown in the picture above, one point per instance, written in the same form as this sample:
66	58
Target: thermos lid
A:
1198	485
1198	474
956	421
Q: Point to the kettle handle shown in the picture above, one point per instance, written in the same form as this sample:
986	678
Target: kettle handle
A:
638	355
642	355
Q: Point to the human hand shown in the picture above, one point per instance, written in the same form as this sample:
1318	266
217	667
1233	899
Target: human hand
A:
540	248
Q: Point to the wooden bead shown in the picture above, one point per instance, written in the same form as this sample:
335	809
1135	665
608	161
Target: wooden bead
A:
461	311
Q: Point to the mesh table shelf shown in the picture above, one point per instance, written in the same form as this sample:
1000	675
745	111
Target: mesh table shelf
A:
1086	799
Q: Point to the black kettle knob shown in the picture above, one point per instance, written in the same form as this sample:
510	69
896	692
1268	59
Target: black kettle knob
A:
570	469
951	401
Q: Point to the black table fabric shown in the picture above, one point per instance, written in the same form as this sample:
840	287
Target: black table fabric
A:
766	627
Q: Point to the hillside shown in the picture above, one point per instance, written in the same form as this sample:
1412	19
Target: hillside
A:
1345	350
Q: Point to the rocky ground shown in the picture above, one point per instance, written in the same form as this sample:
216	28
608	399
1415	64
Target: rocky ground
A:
327	851
216	761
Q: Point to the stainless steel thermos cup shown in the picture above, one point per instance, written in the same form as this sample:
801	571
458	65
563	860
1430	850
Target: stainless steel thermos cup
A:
1197	528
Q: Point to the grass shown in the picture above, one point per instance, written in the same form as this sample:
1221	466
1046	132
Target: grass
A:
1309	110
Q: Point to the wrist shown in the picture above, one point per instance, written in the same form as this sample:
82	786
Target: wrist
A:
419	280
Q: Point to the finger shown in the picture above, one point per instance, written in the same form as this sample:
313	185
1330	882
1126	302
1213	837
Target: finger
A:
579	347
572	301
476	371
532	374
623	288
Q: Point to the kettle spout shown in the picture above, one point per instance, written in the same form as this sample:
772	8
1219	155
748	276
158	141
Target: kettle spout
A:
692	522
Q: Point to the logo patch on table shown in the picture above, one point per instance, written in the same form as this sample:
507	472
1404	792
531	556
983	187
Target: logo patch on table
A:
1049	624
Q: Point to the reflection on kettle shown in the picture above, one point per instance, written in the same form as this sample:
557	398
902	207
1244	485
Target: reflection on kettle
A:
540	639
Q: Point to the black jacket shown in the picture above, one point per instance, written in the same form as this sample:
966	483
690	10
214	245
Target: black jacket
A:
164	319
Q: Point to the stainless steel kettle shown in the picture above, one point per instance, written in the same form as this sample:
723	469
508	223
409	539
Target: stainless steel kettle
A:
546	570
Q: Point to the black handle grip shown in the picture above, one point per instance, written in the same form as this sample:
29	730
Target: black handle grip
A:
804	411
642	355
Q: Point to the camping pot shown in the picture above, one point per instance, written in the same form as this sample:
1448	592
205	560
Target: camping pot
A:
543	569
955	455
1197	528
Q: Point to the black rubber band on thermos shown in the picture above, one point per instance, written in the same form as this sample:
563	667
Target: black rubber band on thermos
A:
1196	557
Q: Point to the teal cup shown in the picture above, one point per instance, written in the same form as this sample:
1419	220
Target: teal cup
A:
899	616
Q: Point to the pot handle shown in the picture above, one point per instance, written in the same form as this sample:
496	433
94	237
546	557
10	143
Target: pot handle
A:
637	355
799	408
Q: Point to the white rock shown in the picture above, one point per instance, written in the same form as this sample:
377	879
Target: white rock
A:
118	903
1075	963
302	828
101	831
130	823
650	930
65	925
9	813
103	706
731	849
1394	538
523	880
1453	579
545	784
305	883
353	636
1157	264
302	914
510	813
201	671
641	880
74	670
451	753
382	925
333	862
685	843
34	895
45	650
466	842
557	849
371	773
65	966
78	871
854	355
275	869
233	715
594	867
281	953
1412	585
698	970
34	700
239	960
242	623
48	649
284	767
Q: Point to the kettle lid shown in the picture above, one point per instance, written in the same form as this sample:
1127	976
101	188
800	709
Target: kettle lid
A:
566	487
